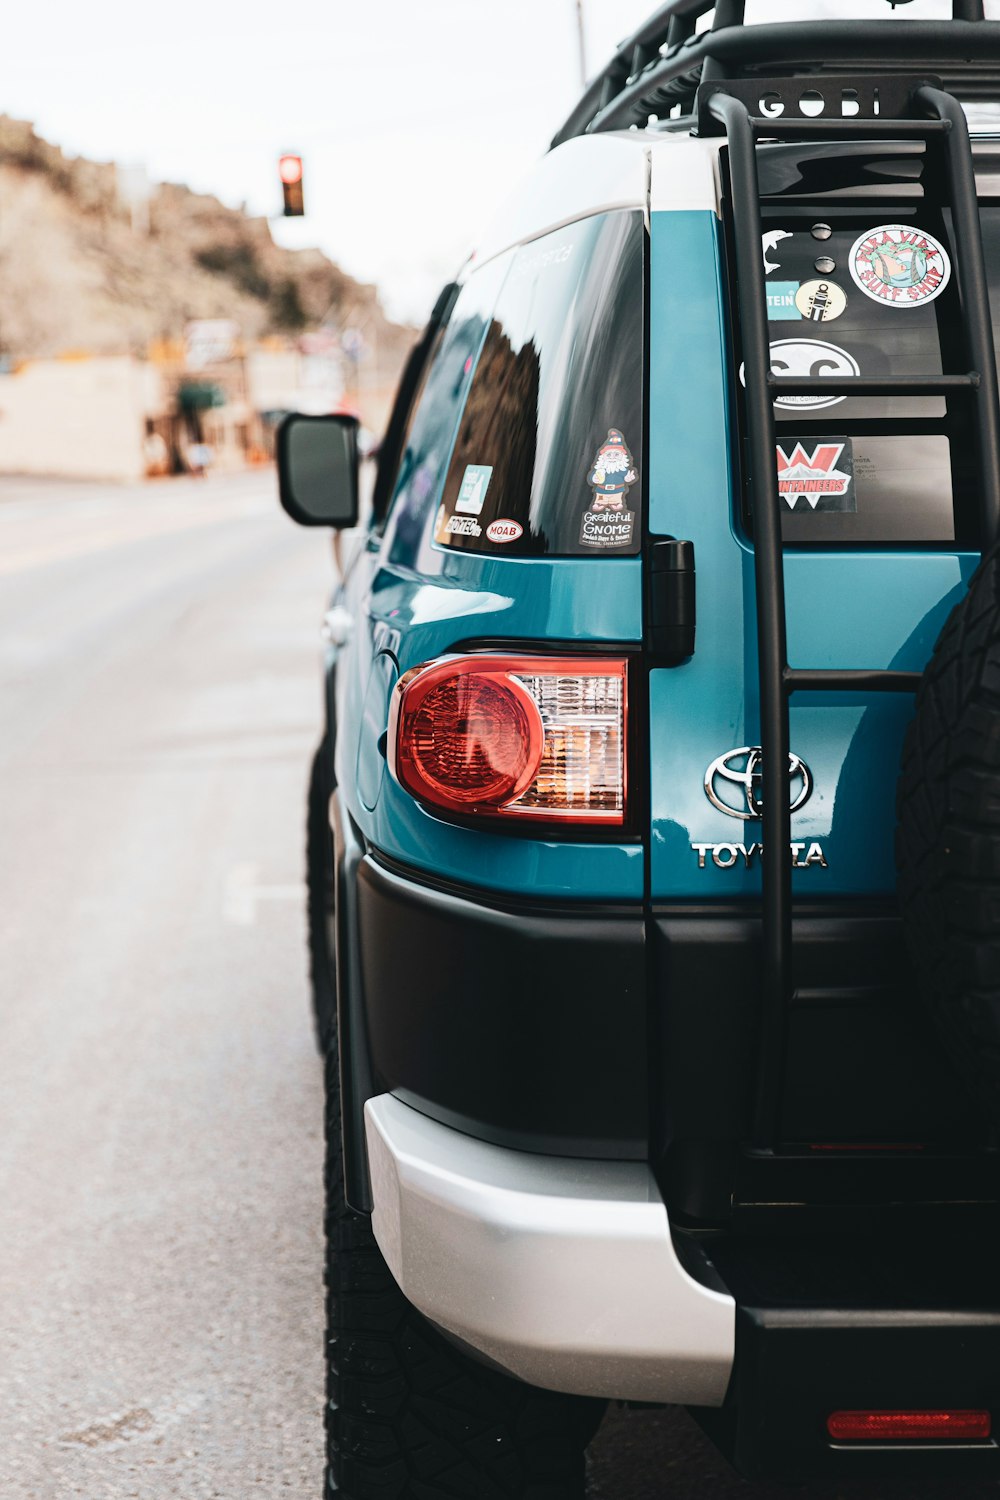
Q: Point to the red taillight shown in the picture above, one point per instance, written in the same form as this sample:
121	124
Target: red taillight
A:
538	737
468	739
896	1426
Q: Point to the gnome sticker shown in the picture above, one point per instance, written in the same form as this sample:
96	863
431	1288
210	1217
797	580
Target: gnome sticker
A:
607	523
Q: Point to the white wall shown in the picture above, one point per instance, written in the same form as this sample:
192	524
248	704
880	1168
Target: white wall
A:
79	418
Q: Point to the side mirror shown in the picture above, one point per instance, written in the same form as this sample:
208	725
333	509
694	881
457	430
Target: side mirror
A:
318	469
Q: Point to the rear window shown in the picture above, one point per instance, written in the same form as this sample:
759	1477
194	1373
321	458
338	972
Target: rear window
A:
548	451
868	289
868	294
431	430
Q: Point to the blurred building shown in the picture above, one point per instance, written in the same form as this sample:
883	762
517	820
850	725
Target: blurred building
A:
119	417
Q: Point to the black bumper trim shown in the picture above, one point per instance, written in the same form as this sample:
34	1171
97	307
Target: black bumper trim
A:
525	1027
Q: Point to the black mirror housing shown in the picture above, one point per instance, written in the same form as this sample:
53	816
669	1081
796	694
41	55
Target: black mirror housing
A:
318	469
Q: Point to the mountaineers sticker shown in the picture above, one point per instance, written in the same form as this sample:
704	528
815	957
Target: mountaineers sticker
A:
899	265
607	523
820	477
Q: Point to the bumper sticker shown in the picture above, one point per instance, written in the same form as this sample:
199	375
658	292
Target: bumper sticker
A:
463	526
769	239
504	530
811	357
472	492
820	477
782	301
899	265
607	523
820	301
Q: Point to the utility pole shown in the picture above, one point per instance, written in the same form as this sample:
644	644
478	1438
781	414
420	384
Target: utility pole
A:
583	43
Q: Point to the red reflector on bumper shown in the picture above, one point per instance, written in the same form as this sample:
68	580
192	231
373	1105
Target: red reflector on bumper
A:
887	1426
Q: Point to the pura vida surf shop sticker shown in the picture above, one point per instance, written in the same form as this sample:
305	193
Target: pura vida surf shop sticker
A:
606	522
899	265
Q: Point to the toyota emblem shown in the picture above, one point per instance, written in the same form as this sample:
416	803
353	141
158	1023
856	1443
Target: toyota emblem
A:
739	773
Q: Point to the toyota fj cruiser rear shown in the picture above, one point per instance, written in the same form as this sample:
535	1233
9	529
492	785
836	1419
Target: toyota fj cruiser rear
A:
625	1101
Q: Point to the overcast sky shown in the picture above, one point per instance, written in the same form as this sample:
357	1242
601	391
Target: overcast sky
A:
414	116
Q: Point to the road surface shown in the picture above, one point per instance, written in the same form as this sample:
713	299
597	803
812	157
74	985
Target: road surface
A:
160	1149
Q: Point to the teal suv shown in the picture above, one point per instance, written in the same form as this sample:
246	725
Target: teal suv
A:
654	837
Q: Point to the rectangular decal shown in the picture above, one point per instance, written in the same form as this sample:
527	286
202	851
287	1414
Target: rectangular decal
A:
463	526
607	528
814	475
781	306
472	491
606	522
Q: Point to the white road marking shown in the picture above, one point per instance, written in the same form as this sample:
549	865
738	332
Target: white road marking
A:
242	893
75	541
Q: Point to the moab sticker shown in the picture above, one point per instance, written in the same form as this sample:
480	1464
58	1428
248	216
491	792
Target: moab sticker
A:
504	531
899	265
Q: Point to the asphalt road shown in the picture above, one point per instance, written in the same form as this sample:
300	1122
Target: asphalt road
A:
160	1148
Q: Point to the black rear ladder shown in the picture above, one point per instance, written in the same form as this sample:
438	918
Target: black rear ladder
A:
942	120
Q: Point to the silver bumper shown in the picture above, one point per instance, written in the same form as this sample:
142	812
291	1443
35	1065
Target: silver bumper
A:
561	1271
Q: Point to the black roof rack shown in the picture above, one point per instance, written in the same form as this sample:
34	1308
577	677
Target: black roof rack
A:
661	65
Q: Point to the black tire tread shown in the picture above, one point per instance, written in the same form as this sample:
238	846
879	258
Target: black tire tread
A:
411	1417
319	901
948	835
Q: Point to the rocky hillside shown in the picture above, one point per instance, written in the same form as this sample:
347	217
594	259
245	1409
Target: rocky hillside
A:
77	274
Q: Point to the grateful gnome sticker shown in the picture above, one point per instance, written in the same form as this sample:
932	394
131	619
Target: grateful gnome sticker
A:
607	523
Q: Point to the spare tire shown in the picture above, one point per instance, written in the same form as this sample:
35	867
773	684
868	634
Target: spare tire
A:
948	836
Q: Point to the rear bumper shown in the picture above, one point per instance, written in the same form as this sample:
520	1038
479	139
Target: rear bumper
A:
517	1021
561	1271
564	1273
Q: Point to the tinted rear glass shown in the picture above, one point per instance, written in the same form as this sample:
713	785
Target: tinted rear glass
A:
867	289
423	462
548	450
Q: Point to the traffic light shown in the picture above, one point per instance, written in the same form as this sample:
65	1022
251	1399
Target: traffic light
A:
290	172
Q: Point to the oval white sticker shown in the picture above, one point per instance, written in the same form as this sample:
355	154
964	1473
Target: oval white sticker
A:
808	357
504	531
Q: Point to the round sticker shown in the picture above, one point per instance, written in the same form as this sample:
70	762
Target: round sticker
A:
899	265
504	531
820	301
809	357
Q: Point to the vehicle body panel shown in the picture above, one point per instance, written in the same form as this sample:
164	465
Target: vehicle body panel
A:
845	609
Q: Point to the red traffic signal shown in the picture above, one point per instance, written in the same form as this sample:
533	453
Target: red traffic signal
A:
290	172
